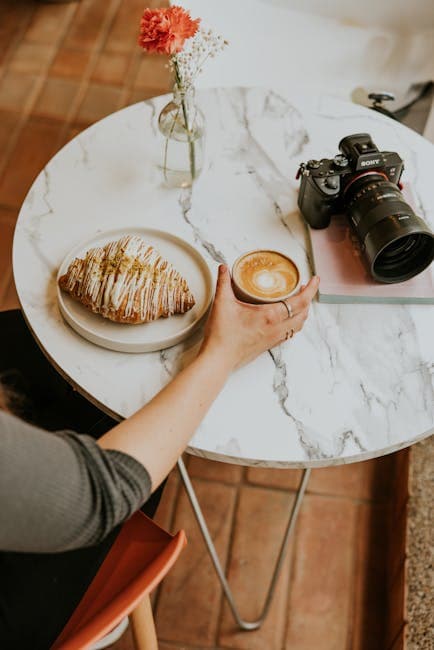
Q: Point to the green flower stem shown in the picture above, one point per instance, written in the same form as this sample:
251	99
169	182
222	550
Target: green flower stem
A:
187	127
166	145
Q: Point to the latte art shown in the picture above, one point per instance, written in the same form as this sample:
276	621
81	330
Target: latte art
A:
265	275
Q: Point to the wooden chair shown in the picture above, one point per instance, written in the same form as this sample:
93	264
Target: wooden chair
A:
139	559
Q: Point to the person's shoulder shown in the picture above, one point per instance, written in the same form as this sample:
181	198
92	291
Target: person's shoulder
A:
8	419
12	424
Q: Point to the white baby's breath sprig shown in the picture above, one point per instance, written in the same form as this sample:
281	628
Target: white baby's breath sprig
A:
197	50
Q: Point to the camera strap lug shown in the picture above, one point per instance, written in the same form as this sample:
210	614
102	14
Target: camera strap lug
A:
301	171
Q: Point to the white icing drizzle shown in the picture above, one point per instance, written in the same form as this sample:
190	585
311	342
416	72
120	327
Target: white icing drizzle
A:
128	281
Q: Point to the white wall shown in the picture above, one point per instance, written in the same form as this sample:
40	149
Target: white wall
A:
315	45
400	15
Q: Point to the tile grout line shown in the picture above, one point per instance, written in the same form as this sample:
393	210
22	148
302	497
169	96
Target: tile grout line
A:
133	68
136	56
216	480
291	572
291	551
177	646
40	80
129	86
89	68
196	480
328	495
131	72
229	555
13	46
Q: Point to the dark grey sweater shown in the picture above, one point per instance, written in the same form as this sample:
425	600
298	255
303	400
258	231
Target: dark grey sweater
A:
60	491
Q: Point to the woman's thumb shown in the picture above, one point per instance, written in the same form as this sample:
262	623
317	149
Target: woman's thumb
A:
224	278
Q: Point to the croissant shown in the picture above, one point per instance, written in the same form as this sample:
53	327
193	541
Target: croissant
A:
127	281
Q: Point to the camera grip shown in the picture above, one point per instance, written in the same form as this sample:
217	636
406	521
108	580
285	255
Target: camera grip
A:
316	208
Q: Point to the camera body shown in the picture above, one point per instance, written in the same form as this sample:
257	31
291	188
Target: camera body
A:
325	183
363	183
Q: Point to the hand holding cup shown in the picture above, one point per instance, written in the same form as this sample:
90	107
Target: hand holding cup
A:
241	331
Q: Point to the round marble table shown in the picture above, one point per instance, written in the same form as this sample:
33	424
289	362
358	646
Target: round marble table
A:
356	383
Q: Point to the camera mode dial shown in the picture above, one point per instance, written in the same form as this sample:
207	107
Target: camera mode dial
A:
329	186
340	161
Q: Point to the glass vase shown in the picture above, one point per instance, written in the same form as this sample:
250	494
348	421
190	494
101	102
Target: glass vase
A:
182	124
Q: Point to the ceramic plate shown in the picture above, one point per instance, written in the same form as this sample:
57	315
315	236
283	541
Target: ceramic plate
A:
158	334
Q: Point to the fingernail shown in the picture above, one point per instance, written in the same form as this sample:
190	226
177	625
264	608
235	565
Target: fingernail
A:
316	278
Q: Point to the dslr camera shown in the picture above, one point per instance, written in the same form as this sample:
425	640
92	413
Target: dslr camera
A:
363	183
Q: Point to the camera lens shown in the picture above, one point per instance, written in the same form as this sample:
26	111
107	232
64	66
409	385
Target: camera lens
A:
405	257
397	243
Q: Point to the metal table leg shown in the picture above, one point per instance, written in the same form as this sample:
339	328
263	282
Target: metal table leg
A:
244	625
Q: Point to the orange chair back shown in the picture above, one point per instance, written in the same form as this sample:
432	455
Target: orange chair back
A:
139	559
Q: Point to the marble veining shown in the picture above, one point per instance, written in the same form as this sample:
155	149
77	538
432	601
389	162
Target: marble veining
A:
357	382
185	204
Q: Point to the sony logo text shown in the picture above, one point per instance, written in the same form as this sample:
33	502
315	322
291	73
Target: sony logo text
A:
368	163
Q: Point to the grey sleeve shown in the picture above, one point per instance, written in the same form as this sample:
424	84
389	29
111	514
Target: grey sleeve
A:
61	491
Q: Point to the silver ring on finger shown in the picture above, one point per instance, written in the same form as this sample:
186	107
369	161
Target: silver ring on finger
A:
289	334
287	307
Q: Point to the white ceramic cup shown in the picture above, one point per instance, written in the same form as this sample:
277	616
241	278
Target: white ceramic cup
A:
247	296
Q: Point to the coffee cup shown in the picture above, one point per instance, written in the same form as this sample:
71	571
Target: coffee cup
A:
265	276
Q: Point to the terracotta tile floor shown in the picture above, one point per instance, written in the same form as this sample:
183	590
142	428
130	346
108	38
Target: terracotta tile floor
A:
63	66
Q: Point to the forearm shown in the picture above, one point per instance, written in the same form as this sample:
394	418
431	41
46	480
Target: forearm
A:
159	432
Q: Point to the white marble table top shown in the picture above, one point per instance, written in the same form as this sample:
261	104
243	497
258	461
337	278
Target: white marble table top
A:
356	383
